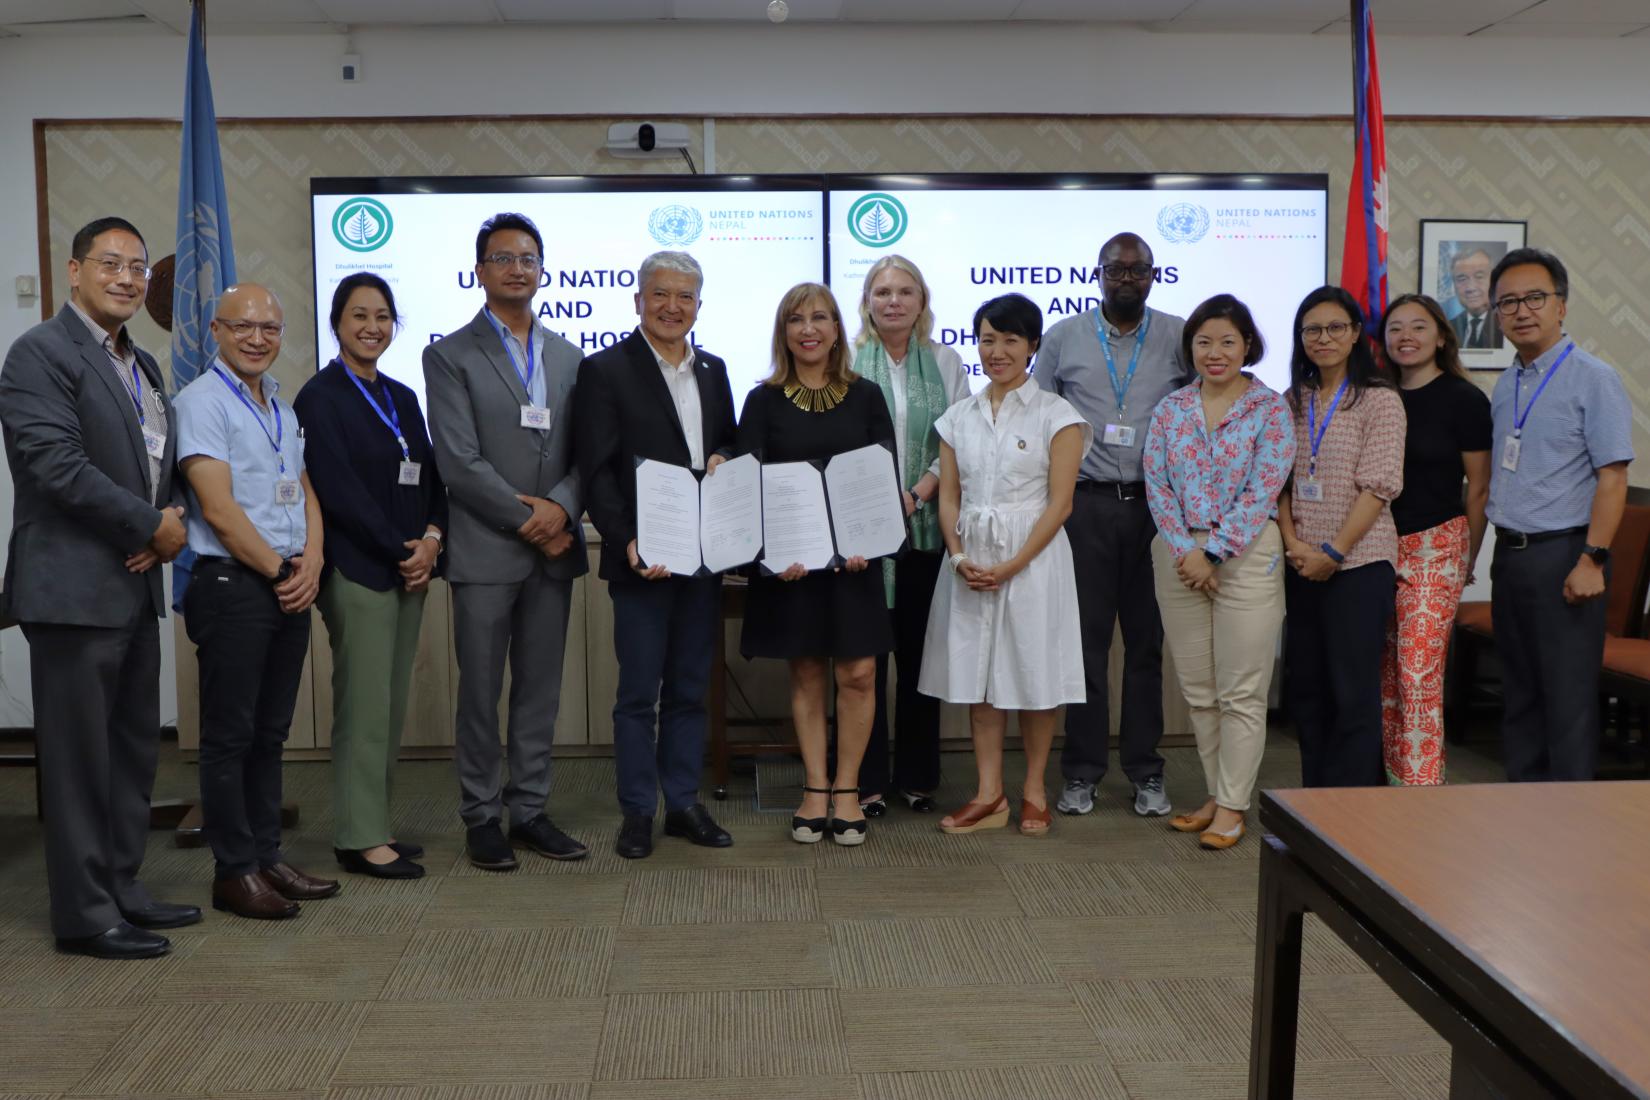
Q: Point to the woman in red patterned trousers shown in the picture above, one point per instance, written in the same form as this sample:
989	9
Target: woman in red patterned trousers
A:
1439	531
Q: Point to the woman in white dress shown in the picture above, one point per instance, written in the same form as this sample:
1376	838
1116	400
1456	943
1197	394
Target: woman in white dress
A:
1003	633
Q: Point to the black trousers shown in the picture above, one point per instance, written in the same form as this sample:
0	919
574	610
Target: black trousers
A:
1334	639
1550	656
916	716
1111	545
96	728
251	656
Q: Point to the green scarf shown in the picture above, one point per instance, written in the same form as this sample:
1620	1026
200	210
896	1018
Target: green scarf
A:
924	403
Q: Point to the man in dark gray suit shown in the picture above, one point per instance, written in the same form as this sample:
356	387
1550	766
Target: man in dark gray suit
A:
1475	326
91	440
500	413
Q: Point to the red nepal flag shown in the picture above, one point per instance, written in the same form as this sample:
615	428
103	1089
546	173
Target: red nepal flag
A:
1363	260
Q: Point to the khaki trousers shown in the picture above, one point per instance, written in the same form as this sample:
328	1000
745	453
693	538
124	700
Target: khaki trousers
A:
1223	644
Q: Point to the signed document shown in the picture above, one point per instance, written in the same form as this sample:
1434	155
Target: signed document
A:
866	514
730	514
796	524
667	517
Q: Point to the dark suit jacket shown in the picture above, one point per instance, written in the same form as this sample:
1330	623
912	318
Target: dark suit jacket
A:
624	412
487	457
1489	333
81	478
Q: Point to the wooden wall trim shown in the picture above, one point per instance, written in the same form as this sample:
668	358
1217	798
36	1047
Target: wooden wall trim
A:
43	229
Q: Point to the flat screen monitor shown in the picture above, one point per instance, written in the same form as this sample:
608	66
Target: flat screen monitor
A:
974	236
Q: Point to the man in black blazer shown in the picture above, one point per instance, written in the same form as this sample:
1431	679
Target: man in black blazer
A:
91	440
654	395
1475	326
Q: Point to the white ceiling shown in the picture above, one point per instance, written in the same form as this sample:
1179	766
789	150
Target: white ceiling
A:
1493	18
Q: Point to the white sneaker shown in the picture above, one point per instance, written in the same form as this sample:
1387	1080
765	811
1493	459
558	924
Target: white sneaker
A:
1149	799
1077	798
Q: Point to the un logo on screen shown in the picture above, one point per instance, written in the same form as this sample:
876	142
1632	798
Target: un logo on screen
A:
675	225
877	220
362	224
1183	223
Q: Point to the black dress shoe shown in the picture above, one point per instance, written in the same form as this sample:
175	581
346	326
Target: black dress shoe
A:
161	914
487	847
697	825
541	835
356	863
635	837
407	849
918	802
120	942
874	807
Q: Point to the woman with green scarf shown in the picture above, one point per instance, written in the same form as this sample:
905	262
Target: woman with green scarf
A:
919	380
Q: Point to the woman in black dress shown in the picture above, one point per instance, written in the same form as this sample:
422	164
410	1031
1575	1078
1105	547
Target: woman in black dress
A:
813	407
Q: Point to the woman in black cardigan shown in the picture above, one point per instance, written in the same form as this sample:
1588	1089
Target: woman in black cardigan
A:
384	508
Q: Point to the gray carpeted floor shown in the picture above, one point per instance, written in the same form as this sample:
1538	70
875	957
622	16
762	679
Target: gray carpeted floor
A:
1113	959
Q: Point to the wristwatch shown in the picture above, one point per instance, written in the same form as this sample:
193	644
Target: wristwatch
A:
1214	558
1599	554
283	573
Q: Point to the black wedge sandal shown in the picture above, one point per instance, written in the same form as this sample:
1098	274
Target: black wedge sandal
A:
810	830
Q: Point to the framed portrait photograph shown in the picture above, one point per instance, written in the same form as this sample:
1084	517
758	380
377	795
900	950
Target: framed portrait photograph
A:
1456	261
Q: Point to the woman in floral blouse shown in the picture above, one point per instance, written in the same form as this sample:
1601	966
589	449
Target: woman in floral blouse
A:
1218	453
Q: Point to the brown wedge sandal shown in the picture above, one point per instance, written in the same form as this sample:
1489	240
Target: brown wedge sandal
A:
1033	821
979	815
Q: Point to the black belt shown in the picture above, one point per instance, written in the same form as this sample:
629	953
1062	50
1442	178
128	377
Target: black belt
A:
1122	490
1518	540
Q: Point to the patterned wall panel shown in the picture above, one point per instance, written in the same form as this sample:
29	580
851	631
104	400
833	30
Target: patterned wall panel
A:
1583	187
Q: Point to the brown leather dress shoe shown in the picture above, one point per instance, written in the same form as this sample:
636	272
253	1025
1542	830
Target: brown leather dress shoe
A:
294	885
252	897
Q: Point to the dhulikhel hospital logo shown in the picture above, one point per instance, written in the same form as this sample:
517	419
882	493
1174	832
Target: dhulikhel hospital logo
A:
1183	222
362	224
877	220
677	225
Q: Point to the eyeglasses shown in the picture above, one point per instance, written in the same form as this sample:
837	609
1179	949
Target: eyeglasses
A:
139	269
243	330
1137	272
1535	299
507	260
1334	329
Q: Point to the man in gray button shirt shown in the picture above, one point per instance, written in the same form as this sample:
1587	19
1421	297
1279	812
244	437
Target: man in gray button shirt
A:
1114	364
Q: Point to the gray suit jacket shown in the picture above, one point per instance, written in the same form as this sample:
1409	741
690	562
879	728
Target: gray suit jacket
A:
81	477
486	457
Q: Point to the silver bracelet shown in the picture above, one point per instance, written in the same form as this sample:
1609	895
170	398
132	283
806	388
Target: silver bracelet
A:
957	559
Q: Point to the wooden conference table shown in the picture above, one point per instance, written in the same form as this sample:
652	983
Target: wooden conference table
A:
1515	919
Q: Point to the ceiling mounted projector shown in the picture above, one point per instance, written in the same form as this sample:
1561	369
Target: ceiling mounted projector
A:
647	139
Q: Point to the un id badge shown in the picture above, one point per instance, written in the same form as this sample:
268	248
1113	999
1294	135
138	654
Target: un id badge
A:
154	443
410	472
1310	490
536	417
286	492
1118	435
1509	453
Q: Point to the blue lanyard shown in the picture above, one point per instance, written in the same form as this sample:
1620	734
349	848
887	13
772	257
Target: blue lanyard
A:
274	403
391	420
1518	377
504	335
1315	433
136	394
1121	391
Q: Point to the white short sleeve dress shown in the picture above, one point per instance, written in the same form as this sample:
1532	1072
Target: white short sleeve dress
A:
1019	648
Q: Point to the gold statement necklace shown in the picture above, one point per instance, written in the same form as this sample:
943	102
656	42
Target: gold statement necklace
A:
827	397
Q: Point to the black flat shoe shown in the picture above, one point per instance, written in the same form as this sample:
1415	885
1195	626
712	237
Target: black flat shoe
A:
810	830
403	848
123	941
635	837
874	807
487	847
161	914
357	863
696	824
918	803
540	834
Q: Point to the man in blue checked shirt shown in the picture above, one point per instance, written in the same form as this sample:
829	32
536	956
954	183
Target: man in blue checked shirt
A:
1558	485
255	528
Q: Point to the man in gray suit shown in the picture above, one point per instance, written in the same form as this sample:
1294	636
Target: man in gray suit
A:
91	439
500	414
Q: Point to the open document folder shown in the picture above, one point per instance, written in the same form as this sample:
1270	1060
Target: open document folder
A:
817	514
